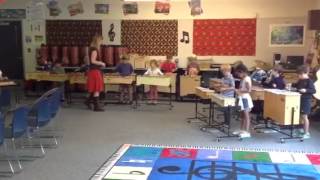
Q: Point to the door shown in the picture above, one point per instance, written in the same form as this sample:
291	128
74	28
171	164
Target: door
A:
11	61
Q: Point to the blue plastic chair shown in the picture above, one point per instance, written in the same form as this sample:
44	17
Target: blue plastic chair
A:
5	98
42	112
17	130
3	144
40	118
55	101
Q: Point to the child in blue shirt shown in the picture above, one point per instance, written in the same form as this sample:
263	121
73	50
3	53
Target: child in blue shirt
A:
125	69
228	88
275	81
306	88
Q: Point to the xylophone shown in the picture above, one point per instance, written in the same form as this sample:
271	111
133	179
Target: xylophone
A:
46	76
113	79
7	83
204	93
279	104
223	101
154	80
162	81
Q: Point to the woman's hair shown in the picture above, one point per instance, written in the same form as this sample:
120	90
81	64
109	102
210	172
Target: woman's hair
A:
155	62
305	69
225	67
241	68
96	41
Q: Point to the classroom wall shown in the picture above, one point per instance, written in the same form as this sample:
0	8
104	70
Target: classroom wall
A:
266	11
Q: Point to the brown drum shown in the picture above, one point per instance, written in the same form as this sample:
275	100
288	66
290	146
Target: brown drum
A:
109	55
65	56
74	54
54	54
118	52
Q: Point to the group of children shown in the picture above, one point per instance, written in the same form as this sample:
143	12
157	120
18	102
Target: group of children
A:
125	69
275	80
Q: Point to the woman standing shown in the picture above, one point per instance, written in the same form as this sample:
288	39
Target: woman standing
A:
95	84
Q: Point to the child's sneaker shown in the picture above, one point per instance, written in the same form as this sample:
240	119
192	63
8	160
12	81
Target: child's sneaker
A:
237	132
306	136
245	134
299	132
155	102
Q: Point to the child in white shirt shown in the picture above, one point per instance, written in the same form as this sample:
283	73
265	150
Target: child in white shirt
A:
245	101
154	70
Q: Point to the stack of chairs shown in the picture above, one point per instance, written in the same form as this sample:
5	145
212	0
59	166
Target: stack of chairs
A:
30	127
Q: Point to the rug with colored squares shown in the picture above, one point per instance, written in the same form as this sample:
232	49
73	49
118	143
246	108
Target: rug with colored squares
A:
147	162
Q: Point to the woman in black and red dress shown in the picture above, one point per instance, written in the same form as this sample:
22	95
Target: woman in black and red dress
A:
95	84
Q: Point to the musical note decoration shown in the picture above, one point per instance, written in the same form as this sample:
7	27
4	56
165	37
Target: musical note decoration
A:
185	37
111	33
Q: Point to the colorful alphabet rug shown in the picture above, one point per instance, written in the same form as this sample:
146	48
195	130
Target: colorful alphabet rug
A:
141	162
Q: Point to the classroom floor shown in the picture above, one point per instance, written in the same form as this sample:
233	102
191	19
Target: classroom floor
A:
90	138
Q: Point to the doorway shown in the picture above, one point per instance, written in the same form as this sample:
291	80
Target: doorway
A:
11	61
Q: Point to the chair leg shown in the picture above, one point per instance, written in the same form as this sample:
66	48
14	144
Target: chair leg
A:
16	157
7	157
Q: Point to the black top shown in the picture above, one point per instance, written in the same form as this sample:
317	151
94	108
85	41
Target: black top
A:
94	66
305	84
278	81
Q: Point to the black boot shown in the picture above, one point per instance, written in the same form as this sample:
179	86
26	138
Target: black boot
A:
88	101
97	105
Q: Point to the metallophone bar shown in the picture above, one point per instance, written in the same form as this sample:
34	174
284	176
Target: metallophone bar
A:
155	81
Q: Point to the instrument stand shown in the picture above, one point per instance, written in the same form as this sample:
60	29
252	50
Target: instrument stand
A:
106	102
198	116
225	127
288	136
137	103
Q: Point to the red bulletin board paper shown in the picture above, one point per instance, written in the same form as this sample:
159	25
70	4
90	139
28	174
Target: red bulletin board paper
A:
224	37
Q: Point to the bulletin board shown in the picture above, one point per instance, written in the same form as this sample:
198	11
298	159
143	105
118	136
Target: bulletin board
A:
224	37
150	37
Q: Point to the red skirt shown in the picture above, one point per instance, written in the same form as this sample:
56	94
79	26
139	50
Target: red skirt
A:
95	81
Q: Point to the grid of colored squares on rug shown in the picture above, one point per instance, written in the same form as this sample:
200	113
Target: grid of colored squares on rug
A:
139	162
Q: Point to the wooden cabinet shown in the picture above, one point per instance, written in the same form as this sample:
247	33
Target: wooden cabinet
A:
278	106
188	85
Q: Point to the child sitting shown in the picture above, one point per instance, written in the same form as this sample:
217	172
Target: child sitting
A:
245	101
306	87
124	68
168	66
193	67
276	79
153	71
